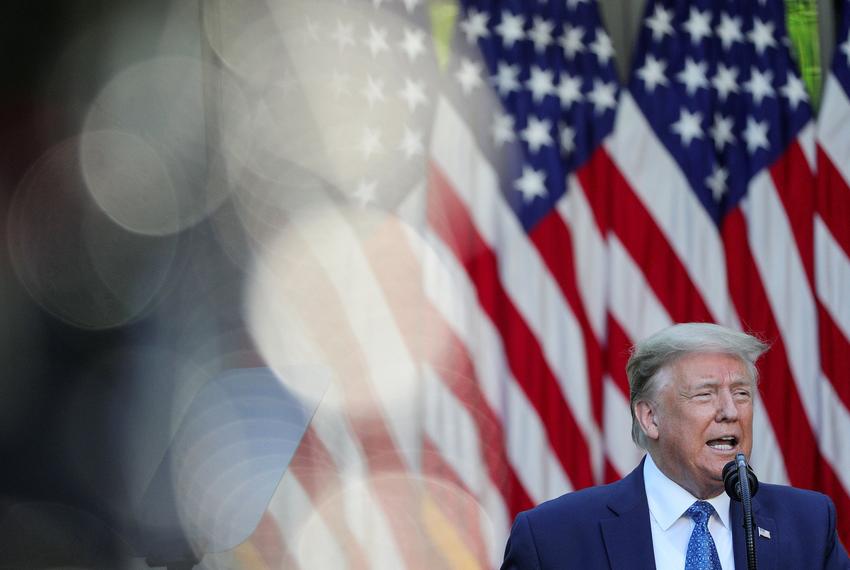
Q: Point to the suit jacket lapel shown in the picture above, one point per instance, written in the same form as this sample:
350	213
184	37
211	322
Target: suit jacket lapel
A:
627	534
765	547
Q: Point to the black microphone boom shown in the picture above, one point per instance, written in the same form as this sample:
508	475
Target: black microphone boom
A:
741	484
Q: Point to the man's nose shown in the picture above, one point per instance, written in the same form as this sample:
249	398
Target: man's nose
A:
726	408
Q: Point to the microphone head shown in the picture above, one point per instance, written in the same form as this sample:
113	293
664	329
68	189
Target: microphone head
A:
732	482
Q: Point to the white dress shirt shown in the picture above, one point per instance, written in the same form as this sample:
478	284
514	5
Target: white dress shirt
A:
671	527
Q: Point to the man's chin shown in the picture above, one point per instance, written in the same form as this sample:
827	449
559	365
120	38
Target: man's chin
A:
715	473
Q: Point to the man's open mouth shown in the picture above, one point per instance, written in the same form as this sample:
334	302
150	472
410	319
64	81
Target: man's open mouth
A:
725	443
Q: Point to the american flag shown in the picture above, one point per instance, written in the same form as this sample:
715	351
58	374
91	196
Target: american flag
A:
724	181
549	219
832	269
509	208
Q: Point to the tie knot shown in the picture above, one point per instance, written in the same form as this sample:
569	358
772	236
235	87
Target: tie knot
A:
700	511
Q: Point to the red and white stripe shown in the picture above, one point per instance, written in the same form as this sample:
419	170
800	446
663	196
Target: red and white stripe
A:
668	239
526	311
524	395
445	424
831	283
755	273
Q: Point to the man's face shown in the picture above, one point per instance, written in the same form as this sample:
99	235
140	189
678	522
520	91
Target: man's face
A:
702	417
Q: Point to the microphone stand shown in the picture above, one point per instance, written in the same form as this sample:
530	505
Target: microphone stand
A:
747	501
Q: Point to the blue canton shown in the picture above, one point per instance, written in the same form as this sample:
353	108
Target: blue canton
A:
551	67
716	80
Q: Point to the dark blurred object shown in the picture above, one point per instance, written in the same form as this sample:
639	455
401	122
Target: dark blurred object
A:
49	535
207	495
56	56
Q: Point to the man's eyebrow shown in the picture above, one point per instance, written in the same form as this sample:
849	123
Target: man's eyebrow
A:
713	383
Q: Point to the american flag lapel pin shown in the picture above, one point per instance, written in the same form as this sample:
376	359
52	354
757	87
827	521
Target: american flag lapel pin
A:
764	533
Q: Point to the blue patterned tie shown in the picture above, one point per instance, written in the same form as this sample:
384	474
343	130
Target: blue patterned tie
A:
702	554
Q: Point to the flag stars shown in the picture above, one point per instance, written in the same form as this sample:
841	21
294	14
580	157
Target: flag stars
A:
374	90
688	127
845	49
729	31
366	192
698	25
413	94
652	73
503	129
541	34
506	79
532	184
717	183
756	135
693	76
410	5
469	75
474	26
370	143
603	96
377	41
411	143
661	23
722	131
540	83
343	35
602	47
567	138
725	81
762	35
572	41
413	43
511	28
569	90
536	133
794	91
759	85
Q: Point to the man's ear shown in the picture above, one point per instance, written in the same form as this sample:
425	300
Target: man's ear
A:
647	417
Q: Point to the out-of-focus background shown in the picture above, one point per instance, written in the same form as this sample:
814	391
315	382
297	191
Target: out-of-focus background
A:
405	244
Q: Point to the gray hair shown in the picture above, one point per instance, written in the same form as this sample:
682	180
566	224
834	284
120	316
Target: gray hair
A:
652	356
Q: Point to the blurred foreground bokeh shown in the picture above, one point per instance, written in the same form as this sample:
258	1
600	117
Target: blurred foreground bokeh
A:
193	189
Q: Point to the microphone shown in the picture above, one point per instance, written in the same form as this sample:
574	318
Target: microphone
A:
732	479
741	484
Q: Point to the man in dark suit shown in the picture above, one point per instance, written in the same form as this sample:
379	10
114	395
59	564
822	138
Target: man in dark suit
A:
692	389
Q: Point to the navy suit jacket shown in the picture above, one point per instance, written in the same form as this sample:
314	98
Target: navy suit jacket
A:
608	527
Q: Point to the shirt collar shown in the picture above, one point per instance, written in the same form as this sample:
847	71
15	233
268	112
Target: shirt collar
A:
668	501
